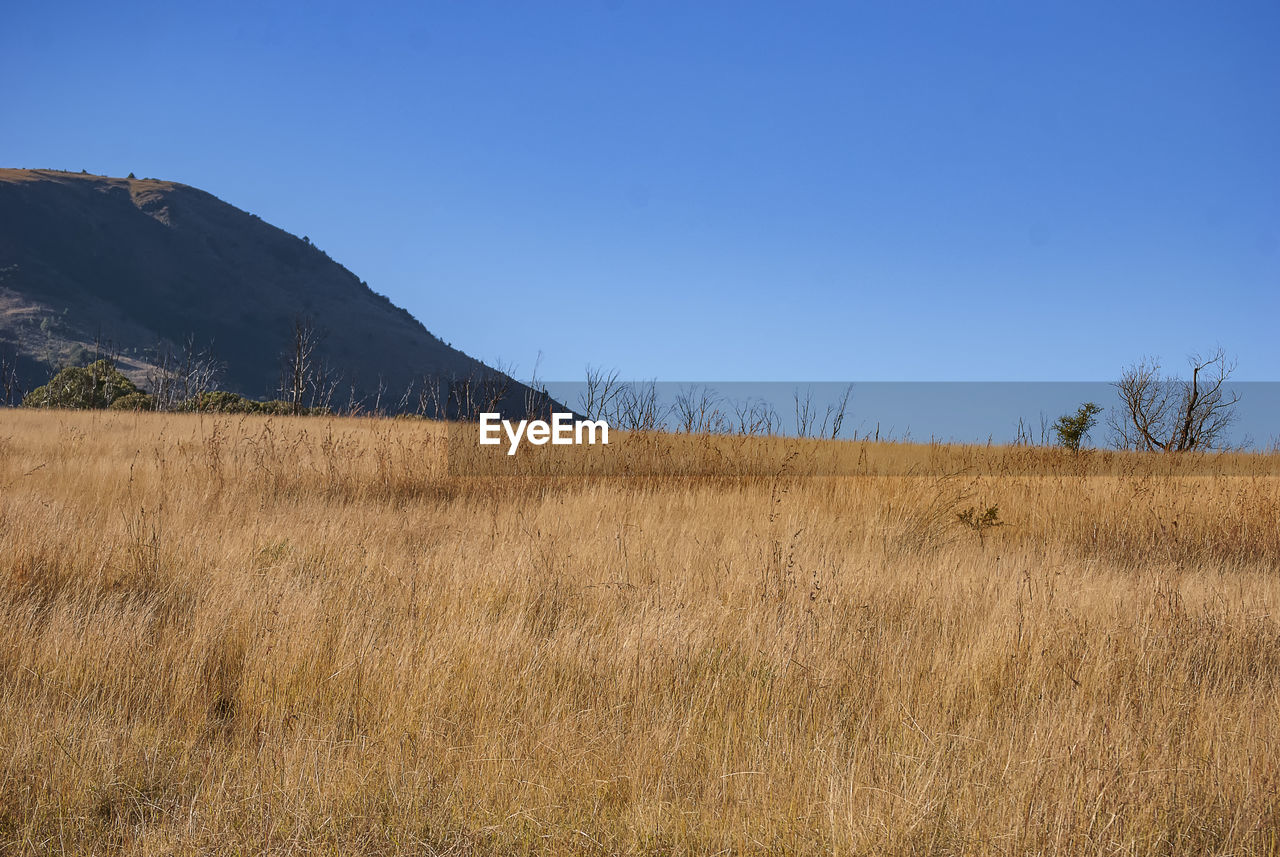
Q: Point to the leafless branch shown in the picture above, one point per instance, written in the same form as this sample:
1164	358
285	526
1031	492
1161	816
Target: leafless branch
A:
1160	413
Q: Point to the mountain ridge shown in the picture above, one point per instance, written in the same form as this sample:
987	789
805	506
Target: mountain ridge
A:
137	267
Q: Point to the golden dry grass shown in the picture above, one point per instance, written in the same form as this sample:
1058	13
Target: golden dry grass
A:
247	636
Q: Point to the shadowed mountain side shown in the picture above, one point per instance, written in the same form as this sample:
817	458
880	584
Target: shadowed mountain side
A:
129	264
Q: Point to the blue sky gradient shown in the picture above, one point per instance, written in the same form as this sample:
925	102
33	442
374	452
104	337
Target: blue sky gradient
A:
715	190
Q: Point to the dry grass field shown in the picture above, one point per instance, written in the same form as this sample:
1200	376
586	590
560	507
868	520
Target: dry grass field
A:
312	636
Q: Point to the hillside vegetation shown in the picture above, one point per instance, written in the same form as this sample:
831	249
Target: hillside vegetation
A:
247	635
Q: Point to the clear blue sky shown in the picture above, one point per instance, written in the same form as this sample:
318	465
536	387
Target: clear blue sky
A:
718	191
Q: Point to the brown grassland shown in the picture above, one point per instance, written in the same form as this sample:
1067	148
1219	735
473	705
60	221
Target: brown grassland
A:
312	636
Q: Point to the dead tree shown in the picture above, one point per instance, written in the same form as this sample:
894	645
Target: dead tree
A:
537	400
432	399
807	424
1160	413
698	411
805	415
600	393
834	420
175	378
638	407
299	363
402	407
324	386
10	388
494	385
755	417
462	399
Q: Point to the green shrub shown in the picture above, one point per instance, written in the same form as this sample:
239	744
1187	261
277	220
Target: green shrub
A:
138	401
98	385
225	402
980	520
1073	429
222	402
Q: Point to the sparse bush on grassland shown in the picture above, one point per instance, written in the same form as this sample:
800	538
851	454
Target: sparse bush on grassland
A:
1072	429
255	634
101	385
135	401
223	402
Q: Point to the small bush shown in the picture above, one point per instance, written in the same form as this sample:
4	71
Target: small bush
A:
980	520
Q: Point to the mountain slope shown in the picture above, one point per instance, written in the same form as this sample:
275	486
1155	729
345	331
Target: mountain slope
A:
88	260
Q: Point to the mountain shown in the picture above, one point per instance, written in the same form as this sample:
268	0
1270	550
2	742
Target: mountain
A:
141	267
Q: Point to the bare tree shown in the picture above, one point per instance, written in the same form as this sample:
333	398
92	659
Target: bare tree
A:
162	378
537	401
836	414
601	393
403	405
324	386
698	411
1026	432
10	388
354	405
299	368
804	412
638	407
1168	414
175	378
755	417
807	424
494	385
462	398
432	398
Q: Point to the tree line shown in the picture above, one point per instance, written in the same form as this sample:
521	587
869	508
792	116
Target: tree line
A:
1156	411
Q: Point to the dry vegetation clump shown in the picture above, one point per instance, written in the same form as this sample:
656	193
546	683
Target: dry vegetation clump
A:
251	635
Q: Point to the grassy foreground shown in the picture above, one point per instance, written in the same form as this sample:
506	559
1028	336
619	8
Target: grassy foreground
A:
247	636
